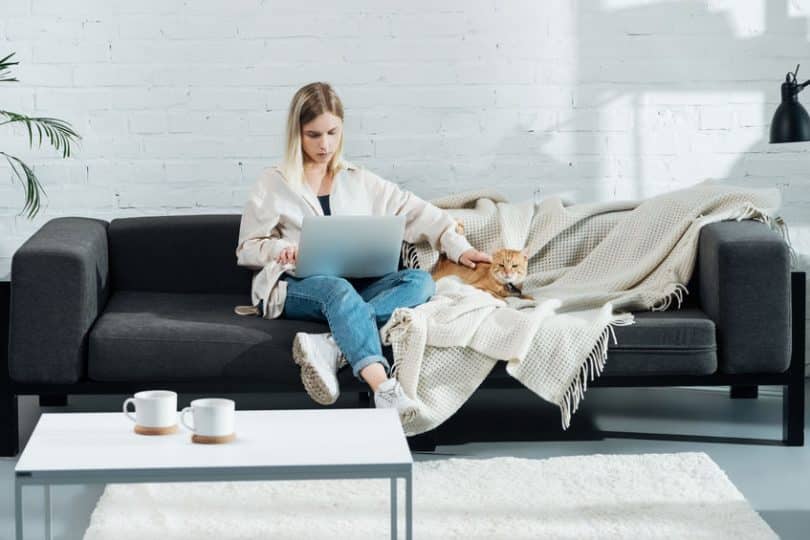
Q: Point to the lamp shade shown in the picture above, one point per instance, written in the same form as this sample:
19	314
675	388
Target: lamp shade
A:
791	122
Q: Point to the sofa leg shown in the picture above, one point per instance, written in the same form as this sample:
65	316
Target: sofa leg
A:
793	391
793	414
744	392
9	419
9	426
53	400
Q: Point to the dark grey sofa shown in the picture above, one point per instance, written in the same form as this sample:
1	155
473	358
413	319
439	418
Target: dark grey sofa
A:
101	307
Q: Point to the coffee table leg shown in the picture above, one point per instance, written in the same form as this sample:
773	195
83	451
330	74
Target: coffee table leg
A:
48	512
409	506
18	514
393	507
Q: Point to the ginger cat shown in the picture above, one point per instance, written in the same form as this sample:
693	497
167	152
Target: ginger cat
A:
501	278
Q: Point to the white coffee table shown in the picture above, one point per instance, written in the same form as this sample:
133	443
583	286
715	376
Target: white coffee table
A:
94	448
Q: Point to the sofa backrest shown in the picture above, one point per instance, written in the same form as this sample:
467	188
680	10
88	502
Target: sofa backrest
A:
185	254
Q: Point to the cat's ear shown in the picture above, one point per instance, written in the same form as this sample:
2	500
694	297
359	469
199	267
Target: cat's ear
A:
525	252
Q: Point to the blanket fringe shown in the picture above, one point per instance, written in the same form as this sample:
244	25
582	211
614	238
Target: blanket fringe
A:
748	211
409	256
395	367
778	224
674	289
392	334
591	368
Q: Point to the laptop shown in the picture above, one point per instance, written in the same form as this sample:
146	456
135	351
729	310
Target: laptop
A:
349	246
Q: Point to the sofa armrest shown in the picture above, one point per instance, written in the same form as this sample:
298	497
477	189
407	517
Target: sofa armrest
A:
744	286
59	285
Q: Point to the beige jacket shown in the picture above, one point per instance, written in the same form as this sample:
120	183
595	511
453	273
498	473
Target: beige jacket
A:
275	210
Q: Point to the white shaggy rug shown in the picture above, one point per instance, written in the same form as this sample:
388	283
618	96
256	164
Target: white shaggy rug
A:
683	495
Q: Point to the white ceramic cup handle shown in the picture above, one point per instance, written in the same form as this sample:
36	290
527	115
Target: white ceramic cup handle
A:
183	419
126	412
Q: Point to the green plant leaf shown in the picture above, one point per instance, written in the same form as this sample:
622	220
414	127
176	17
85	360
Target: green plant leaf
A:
4	65
33	188
60	134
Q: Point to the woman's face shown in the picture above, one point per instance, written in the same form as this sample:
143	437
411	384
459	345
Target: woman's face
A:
320	138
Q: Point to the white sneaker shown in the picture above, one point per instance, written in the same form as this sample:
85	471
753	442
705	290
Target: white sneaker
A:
319	358
390	395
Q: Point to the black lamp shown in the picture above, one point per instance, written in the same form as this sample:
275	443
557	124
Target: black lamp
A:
790	121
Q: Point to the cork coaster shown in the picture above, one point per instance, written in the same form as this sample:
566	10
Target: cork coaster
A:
144	430
213	439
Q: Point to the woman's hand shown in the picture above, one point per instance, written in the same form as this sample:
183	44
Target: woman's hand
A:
288	255
472	256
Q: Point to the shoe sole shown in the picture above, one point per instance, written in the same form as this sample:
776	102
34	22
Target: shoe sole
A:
313	383
408	414
405	415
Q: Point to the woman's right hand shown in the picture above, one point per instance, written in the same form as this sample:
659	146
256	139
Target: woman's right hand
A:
288	255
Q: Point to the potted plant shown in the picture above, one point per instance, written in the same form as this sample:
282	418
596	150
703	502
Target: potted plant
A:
58	133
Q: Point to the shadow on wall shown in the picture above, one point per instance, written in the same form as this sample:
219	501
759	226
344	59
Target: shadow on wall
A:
664	95
665	62
680	67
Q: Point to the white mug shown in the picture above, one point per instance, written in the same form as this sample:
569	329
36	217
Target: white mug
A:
153	408
213	417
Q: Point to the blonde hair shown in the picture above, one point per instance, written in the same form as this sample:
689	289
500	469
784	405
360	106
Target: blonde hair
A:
308	103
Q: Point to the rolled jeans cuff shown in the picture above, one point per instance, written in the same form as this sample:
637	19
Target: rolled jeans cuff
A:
357	367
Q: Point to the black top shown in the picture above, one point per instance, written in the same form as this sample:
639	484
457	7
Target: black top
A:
324	200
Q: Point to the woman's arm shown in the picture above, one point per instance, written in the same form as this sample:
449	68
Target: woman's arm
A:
423	221
260	240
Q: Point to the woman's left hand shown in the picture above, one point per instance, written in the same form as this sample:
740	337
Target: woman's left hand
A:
472	256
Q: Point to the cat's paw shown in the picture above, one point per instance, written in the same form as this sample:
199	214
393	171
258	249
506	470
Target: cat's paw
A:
459	226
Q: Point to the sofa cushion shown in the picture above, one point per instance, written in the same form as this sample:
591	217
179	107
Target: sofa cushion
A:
182	254
148	336
673	342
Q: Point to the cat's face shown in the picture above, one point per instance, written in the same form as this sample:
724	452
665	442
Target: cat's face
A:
509	265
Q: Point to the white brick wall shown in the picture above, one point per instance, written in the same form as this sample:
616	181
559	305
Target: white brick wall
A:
181	103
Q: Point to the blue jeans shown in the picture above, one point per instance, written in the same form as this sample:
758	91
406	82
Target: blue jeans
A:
356	309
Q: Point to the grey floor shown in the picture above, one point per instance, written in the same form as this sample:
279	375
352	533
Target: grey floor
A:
772	477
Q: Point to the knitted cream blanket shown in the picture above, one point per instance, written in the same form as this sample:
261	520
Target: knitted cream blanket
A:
586	262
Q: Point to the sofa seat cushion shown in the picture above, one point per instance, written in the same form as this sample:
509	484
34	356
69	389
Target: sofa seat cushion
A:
674	342
150	336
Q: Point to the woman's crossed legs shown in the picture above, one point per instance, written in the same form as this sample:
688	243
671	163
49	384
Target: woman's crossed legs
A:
354	314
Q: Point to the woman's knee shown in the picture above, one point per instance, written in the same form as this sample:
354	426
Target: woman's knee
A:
326	283
334	289
422	283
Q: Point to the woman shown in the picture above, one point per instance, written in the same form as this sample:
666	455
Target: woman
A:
314	179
